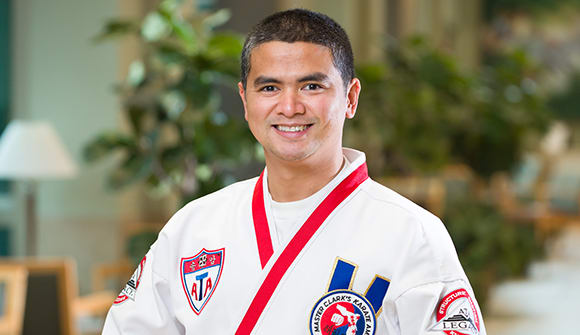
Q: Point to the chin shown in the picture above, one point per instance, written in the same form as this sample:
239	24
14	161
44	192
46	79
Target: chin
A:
291	155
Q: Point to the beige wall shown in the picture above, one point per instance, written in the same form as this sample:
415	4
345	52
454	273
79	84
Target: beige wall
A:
60	76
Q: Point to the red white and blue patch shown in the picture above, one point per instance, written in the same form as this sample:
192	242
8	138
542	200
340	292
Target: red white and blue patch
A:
342	312
200	275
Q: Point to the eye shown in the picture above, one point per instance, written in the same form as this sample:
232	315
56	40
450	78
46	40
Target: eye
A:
268	88
312	87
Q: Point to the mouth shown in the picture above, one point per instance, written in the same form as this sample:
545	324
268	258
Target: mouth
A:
292	128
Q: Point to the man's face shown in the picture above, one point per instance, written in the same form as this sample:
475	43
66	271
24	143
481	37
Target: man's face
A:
295	101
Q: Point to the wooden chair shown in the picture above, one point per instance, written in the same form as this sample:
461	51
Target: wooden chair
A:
12	296
49	299
52	305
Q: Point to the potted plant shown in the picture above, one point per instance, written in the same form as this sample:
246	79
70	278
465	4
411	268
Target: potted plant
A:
179	139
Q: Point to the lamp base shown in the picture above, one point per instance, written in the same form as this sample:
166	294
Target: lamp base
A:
30	214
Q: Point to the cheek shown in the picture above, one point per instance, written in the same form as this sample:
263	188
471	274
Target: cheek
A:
253	123
257	119
256	130
333	110
258	109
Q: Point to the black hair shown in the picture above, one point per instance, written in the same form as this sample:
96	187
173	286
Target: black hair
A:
301	25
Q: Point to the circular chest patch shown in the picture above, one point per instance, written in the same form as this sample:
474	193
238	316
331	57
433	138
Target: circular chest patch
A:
342	312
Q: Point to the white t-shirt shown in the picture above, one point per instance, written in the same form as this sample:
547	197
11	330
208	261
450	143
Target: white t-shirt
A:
287	215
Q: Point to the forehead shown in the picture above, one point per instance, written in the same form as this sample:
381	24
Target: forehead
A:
283	58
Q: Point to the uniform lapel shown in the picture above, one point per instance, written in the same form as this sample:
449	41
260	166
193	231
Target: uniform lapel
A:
285	259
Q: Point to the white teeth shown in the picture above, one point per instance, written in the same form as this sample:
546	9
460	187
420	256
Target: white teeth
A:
292	128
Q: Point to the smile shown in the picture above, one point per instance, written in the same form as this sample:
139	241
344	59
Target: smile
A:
292	129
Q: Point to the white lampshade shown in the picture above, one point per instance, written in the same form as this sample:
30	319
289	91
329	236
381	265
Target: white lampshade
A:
33	150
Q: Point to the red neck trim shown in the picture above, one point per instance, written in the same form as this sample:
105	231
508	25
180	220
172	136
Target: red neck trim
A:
261	228
295	246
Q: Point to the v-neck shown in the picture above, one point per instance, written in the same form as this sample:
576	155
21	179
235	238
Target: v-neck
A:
358	174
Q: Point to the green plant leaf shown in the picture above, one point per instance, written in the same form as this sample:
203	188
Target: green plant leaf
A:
174	103
116	28
134	167
136	73
174	91
159	188
136	115
216	19
170	5
203	172
186	34
172	158
155	27
225	45
105	144
169	53
372	73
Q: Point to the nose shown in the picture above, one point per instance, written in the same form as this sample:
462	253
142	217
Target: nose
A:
290	104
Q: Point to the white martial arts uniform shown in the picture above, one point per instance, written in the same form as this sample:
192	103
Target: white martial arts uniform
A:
378	264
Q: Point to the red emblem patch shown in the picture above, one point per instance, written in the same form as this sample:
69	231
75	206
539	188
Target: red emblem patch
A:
200	275
457	314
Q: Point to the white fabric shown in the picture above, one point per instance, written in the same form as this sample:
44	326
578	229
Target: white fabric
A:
375	228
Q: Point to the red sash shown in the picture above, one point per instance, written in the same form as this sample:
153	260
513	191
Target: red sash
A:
295	246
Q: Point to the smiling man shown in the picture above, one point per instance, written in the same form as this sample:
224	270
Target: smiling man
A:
296	102
312	245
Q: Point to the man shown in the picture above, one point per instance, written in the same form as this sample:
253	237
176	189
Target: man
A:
312	245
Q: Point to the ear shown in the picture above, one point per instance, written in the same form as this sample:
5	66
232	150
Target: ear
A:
242	93
352	94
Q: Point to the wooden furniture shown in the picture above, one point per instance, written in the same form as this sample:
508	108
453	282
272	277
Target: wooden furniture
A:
52	305
51	289
12	296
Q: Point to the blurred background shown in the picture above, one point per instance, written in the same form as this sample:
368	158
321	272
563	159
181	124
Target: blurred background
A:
116	113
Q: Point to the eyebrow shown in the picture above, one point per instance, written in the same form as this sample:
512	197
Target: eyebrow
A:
316	76
261	80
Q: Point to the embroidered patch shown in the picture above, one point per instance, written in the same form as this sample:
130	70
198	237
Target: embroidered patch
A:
200	275
131	288
342	312
457	315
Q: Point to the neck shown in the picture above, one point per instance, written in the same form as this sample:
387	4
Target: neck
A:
292	181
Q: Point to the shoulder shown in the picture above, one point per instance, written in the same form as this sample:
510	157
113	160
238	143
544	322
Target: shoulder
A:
430	226
396	203
202	223
427	251
234	191
214	204
402	212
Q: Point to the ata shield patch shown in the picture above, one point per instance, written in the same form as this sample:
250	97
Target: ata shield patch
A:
457	314
200	275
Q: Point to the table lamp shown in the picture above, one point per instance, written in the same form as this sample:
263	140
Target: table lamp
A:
31	151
